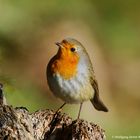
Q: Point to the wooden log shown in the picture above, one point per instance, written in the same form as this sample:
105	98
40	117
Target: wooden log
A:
18	124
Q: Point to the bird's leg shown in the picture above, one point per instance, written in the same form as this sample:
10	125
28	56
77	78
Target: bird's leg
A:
55	118
79	110
59	109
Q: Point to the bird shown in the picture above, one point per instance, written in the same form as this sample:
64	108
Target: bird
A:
71	77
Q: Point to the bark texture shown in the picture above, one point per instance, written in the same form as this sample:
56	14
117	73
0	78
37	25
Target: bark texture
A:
18	124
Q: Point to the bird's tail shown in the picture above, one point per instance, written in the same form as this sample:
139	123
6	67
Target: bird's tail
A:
98	104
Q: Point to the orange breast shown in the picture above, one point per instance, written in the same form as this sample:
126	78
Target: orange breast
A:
66	67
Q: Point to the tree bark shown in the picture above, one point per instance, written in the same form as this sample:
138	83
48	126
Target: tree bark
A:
18	124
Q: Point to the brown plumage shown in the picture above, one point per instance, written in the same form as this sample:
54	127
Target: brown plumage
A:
71	77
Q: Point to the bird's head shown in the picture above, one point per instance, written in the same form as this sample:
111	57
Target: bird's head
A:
71	49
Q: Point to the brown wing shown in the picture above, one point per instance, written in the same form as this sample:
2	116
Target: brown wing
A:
96	101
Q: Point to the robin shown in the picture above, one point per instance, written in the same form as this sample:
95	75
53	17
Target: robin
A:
71	77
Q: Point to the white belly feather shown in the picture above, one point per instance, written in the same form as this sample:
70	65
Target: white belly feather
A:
74	90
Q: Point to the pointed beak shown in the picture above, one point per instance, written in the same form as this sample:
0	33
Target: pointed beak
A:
58	44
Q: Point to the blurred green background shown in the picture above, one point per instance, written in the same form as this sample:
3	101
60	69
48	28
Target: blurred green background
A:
110	31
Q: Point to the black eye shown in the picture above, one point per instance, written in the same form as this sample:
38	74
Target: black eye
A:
72	49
